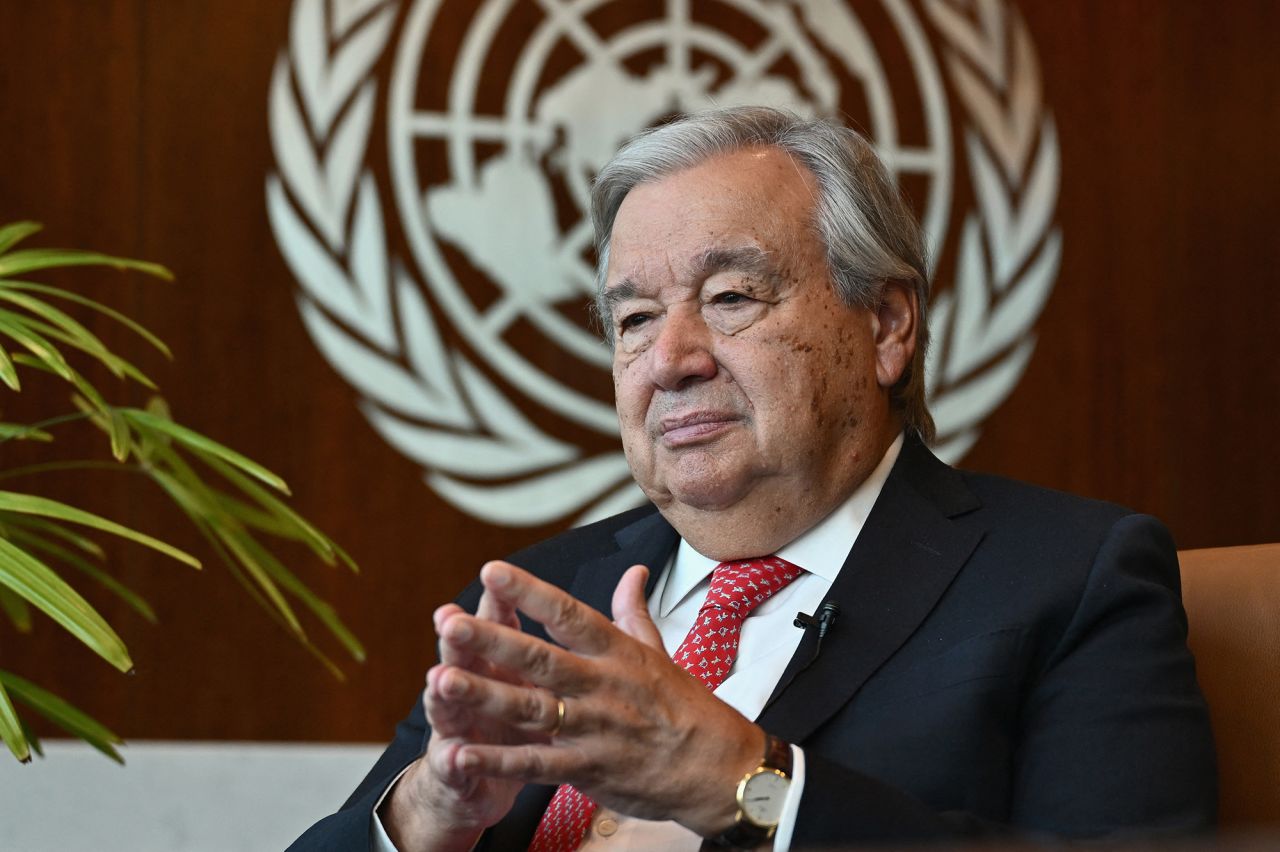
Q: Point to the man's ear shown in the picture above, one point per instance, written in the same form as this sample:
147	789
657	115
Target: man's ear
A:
896	319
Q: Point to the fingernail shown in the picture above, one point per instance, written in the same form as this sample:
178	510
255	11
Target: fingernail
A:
460	631
495	575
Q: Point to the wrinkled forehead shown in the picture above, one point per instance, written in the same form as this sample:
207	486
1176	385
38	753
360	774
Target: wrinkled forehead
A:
761	179
750	261
711	214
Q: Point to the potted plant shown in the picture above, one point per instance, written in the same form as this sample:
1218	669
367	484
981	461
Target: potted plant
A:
236	504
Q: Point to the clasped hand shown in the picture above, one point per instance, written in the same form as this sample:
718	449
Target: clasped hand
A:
639	734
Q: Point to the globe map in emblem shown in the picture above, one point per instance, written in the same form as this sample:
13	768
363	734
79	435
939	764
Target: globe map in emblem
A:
512	203
466	328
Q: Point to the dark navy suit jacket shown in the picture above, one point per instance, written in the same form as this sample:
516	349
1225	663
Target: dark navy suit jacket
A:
1006	658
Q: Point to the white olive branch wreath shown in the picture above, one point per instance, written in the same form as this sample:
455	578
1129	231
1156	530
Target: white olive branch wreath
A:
1008	254
480	453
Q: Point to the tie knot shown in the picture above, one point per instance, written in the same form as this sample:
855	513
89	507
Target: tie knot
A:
741	586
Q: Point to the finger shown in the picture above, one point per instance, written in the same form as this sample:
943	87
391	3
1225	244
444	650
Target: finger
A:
631	608
491	609
444	763
449	654
447	718
570	622
532	659
442	614
455	655
537	764
442	757
529	710
498	610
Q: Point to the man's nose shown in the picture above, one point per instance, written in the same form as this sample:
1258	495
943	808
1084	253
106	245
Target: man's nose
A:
681	354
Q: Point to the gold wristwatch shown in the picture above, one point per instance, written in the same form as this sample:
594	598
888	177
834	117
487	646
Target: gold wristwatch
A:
761	794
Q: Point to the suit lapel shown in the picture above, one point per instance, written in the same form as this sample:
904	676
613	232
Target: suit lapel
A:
649	541
905	558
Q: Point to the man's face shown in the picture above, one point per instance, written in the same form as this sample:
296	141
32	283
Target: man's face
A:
747	392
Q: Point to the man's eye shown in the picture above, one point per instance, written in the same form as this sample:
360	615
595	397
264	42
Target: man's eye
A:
632	321
730	297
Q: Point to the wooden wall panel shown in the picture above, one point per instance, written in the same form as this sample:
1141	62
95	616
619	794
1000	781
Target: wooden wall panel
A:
141	128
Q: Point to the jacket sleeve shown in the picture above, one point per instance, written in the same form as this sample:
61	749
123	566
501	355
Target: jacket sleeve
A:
349	828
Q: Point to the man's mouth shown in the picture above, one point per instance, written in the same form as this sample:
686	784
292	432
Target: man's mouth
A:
678	431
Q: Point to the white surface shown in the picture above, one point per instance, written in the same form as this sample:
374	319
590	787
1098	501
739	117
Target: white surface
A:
174	796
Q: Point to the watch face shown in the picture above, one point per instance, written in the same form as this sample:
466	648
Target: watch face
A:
762	797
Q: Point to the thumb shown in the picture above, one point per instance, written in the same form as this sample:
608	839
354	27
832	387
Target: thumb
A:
631	610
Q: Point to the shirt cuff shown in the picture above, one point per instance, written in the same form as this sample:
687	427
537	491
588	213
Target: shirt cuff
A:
378	839
790	805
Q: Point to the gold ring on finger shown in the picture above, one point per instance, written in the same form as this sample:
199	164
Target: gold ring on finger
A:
555	729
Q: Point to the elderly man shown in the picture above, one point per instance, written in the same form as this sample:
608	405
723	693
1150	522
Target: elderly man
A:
980	655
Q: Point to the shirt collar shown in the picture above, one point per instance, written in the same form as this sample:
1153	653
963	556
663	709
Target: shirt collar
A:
821	551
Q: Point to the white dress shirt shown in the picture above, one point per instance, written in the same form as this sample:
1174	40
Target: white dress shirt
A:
766	645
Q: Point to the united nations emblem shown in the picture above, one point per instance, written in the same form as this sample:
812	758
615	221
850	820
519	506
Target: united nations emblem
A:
463	325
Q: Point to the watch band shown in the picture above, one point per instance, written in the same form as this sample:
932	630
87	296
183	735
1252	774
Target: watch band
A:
777	755
744	834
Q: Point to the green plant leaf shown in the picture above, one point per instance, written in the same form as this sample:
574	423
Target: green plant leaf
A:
60	712
11	728
16	609
16	232
107	417
208	508
56	530
195	511
119	435
240	544
32	739
23	432
49	593
30	260
52	315
79	337
281	519
58	292
44	351
199	443
90	403
29	504
320	608
202	501
104	416
38	544
8	374
252	590
55	320
190	507
43	425
186	488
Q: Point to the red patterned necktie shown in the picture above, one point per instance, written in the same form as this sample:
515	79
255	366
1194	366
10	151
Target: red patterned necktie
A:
707	653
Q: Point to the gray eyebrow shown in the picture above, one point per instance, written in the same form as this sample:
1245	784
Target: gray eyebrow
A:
620	292
752	260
